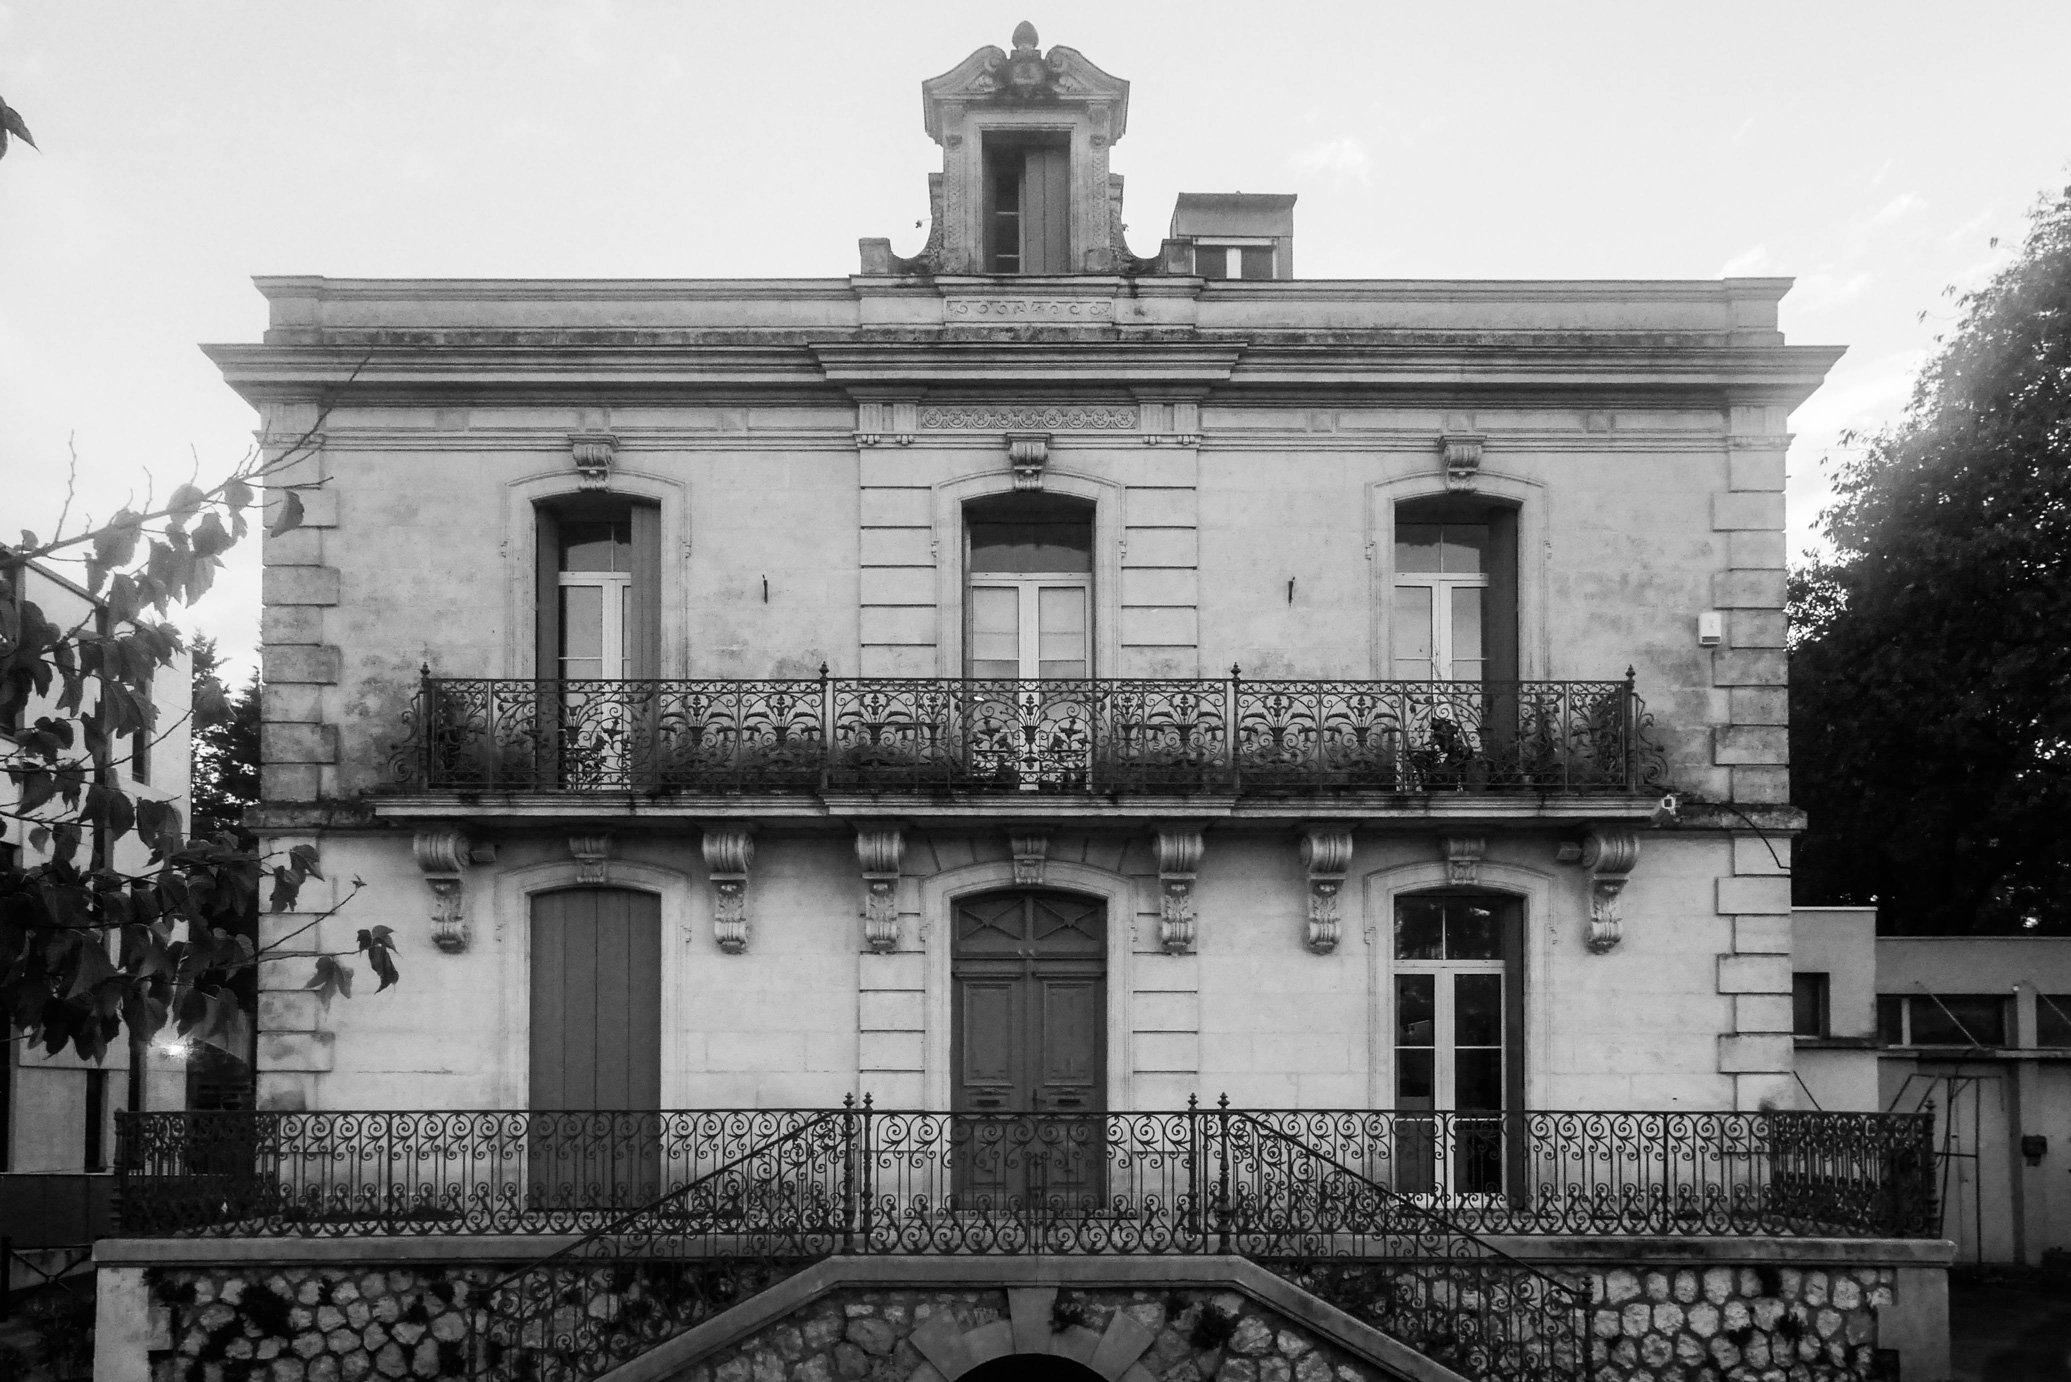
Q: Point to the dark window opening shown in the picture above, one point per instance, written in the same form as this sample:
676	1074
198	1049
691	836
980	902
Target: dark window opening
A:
2053	1019
1891	1019
1027	202
1233	261
599	589
1942	1019
96	1158
1454	612
1030	532
1809	1014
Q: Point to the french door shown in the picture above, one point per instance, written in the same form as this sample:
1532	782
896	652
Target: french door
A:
1458	1011
1030	715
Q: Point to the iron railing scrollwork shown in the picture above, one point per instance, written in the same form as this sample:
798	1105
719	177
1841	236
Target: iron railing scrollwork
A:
1061	736
1696	1174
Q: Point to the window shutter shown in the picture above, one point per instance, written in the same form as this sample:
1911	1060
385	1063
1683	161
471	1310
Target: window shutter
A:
546	593
1046	211
1499	629
644	602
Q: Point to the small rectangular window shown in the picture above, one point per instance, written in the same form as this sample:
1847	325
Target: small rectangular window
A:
95	1157
2053	1019
1809	1005
1891	1019
1959	1019
1257	261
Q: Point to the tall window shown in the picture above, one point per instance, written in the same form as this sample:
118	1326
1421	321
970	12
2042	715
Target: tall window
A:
1030	582
1455	598
1027	202
599	590
1459	1017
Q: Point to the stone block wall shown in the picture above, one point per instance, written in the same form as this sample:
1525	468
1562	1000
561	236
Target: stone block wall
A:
1736	1324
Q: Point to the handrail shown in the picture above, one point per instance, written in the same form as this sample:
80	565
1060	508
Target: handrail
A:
1096	735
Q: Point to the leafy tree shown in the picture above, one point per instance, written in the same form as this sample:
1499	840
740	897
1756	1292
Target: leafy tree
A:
87	950
1931	667
226	751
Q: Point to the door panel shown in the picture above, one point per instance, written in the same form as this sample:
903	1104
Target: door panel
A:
1030	1026
595	1044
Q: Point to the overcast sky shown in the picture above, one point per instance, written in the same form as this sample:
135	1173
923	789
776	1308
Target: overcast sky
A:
1871	150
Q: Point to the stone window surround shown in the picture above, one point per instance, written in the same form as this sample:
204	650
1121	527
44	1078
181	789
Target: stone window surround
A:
1105	603
521	577
1536	891
1534	654
510	928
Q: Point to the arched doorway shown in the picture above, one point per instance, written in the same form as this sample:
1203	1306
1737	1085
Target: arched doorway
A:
1028	1044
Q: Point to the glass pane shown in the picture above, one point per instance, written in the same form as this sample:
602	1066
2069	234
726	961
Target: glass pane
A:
1420	928
1472	931
995	631
1413	1080
597	545
1464	547
1040	547
1891	1016
1477	1011
1412	632
1061	631
582	622
1415	1009
1212	261
1954	1019
1416	547
1478	1079
2053	1019
1258	261
1466	619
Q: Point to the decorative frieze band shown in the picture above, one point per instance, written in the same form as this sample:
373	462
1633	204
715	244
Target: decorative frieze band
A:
977	418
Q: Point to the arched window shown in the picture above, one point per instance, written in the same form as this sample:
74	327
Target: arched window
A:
1455	597
599	589
1029	585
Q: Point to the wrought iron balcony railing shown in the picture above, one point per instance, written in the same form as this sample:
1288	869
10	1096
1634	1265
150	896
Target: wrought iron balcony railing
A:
1057	736
1104	1183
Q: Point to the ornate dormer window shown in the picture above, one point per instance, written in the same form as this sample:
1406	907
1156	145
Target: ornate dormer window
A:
1024	186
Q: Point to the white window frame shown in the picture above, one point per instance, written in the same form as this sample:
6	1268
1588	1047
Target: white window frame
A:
1442	584
1232	246
1029	585
613	643
1444	1065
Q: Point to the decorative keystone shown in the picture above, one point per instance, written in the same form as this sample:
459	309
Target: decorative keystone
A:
1179	861
1326	853
729	849
1462	453
593	453
1463	859
443	853
1031	849
880	849
591	853
1028	453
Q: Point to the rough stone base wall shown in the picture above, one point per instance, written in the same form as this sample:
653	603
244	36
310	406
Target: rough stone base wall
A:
1736	1324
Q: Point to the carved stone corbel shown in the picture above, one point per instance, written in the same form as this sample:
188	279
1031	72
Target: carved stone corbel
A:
594	453
886	420
1326	854
443	854
729	850
1028	453
1609	854
1462	453
1031	848
1463	859
1179	860
879	849
590	852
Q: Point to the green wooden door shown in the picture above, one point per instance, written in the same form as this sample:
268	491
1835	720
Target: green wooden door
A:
596	1055
1029	1038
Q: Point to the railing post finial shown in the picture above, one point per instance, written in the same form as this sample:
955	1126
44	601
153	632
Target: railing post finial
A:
823	671
1223	1102
848	1100
867	1098
1193	1102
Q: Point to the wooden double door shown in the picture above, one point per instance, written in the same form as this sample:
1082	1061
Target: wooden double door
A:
1029	1049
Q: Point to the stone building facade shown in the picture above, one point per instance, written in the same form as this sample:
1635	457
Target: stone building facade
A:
1030	680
